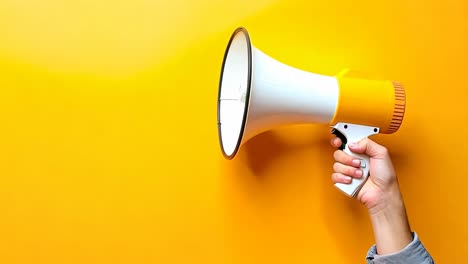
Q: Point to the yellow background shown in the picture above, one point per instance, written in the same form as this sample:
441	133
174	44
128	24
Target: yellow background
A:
108	140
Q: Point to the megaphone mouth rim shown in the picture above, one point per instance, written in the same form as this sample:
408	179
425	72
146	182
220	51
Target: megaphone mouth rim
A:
239	30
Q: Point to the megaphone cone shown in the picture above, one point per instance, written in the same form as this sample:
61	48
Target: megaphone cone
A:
258	93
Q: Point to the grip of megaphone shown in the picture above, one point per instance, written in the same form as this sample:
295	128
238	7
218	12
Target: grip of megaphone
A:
354	133
353	188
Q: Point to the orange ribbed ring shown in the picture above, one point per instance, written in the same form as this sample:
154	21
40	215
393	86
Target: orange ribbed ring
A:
399	108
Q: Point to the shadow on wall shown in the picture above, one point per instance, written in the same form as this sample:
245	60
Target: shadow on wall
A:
265	149
262	151
275	167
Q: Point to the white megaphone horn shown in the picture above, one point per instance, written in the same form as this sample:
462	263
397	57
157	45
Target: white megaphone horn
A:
258	93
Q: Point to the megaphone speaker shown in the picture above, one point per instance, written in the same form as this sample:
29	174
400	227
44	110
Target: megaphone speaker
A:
258	93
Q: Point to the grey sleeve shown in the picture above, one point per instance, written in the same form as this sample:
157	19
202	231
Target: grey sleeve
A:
414	253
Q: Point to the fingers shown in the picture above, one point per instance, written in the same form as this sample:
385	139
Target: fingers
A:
340	178
335	142
366	146
346	159
369	147
347	170
346	167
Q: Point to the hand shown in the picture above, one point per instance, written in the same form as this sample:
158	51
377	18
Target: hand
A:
382	181
380	194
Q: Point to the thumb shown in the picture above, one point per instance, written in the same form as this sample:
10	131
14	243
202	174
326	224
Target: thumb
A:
368	147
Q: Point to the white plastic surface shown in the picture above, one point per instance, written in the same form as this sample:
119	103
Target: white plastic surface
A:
284	95
355	133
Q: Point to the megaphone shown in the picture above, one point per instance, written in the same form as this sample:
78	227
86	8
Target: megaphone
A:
258	93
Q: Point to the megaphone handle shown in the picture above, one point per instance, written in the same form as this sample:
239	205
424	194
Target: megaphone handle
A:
354	133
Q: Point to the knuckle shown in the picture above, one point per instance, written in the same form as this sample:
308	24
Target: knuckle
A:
351	171
341	156
336	177
349	160
365	141
336	154
336	166
344	169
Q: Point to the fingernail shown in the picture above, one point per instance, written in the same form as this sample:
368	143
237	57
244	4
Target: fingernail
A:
347	178
356	162
353	144
358	173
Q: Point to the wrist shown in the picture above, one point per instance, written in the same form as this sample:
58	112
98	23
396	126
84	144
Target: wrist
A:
386	202
390	222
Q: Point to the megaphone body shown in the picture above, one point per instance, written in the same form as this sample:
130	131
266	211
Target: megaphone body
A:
258	93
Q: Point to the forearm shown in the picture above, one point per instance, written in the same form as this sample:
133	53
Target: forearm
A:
390	223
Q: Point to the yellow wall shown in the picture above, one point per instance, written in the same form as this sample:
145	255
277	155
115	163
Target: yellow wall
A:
108	140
